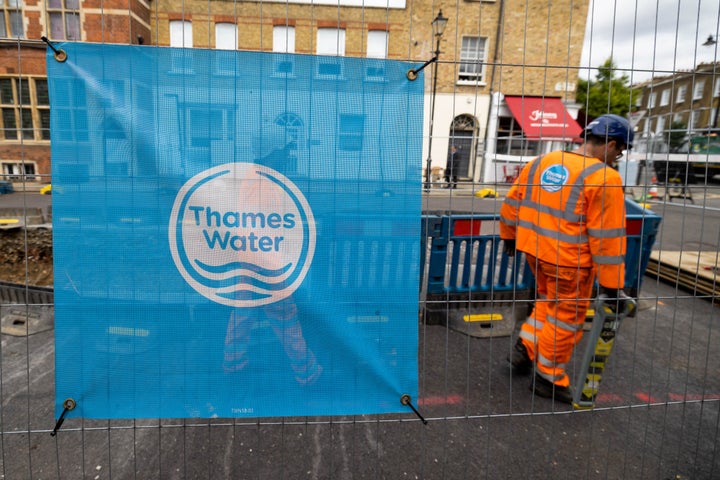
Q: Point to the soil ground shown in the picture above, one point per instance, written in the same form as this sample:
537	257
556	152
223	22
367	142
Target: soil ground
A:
26	256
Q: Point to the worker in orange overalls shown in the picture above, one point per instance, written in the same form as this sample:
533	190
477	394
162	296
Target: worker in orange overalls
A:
566	212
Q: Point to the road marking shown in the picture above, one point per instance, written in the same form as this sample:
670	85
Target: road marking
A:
441	400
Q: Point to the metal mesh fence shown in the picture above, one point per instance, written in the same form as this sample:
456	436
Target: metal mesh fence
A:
658	412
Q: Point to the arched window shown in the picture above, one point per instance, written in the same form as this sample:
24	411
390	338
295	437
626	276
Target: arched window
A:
462	135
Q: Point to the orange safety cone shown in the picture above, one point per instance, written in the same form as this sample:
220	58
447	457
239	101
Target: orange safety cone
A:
653	191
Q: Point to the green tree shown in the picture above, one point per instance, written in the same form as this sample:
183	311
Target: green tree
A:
608	93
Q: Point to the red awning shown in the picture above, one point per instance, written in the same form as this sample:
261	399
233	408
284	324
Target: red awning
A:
543	117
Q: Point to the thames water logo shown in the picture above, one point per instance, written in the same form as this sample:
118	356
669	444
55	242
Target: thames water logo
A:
242	234
554	177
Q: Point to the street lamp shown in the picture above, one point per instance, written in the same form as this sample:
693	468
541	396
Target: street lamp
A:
438	26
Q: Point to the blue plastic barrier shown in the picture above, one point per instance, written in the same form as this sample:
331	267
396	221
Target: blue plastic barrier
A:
468	271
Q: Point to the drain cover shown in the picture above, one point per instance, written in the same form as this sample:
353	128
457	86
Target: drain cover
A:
22	320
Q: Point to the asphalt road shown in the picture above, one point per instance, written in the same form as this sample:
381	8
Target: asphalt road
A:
657	416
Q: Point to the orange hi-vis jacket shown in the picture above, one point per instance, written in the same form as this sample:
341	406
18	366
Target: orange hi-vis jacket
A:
567	209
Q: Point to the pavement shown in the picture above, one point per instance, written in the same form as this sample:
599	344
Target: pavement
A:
657	416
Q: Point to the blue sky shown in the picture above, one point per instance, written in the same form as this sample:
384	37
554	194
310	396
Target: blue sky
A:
650	37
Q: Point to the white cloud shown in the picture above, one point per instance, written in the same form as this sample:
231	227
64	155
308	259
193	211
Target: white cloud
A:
649	38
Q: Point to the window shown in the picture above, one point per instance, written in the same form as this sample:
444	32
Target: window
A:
716	90
64	16
472	58
70	110
225	36
694	119
377	44
181	34
331	41
351	132
660	125
665	98
25	109
210	125
18	170
652	99
283	39
510	139
698	90
681	92
12	24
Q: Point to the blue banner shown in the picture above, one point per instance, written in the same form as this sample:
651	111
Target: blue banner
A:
236	234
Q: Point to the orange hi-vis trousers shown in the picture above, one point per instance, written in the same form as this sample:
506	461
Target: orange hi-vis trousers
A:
556	323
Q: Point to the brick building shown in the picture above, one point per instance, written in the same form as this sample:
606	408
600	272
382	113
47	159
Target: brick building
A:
687	99
491	50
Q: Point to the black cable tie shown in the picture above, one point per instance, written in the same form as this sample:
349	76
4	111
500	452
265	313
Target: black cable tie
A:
60	55
69	404
406	400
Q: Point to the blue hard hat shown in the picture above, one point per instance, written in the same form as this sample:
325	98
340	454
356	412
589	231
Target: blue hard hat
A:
612	126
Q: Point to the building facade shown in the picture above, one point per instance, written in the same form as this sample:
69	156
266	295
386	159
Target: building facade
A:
525	50
685	103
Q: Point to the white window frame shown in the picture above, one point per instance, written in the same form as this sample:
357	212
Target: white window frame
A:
698	89
652	99
681	94
660	124
284	39
377	44
226	36
716	90
181	34
472	59
330	41
19	170
665	97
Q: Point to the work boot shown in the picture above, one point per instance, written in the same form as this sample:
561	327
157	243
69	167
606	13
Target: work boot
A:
546	389
519	358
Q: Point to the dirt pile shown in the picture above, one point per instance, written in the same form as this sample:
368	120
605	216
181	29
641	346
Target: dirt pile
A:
26	256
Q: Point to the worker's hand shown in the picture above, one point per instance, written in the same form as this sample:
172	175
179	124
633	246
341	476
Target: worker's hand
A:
616	299
509	247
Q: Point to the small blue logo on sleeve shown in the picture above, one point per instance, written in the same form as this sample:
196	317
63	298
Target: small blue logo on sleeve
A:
554	177
242	234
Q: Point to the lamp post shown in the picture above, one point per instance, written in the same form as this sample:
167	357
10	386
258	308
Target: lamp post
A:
711	42
438	26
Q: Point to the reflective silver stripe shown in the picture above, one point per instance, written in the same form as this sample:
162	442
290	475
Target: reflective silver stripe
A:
569	216
568	212
507	221
552	378
606	232
570	327
531	181
546	362
563	237
528	336
579	185
609	259
513	202
533	322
